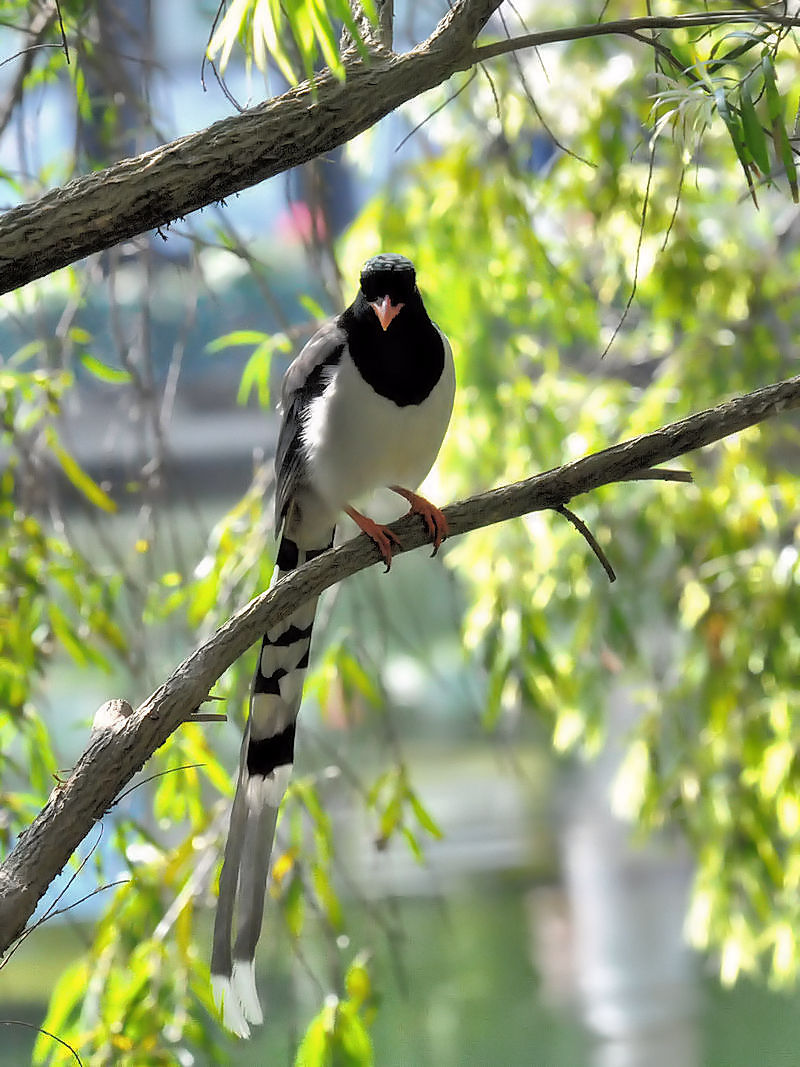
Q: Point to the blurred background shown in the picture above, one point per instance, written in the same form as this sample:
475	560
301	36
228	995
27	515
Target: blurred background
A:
536	818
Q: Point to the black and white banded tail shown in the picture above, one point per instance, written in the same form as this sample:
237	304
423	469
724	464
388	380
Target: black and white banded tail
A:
265	766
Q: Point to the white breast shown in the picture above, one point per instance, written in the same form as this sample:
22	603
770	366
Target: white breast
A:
357	441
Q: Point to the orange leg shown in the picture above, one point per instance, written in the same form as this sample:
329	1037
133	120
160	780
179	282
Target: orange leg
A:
434	518
381	535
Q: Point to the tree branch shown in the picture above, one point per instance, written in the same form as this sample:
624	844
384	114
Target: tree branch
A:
95	211
115	755
589	537
632	28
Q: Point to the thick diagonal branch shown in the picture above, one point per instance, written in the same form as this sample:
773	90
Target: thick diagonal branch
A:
114	757
95	211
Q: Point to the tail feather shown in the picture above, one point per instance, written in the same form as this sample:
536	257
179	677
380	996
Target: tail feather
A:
221	960
264	797
229	1004
265	767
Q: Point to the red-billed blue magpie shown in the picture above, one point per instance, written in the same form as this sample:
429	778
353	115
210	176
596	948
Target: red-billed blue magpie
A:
365	405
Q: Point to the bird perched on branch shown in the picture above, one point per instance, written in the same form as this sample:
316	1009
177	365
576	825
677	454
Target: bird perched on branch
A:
365	405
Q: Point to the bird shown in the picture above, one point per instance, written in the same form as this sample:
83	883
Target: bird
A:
365	405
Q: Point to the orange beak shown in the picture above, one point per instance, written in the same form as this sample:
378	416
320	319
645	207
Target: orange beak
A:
385	310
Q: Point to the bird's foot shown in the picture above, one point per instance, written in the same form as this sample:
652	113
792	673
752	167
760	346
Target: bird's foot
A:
382	535
434	518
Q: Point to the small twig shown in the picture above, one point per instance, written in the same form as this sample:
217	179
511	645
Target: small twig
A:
207	716
64	44
88	896
151	778
658	474
41	1030
591	540
635	284
660	50
674	215
627	27
208	42
661	474
52	910
532	100
223	86
28	50
437	109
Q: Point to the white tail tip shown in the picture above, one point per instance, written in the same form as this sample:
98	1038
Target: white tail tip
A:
228	1005
243	981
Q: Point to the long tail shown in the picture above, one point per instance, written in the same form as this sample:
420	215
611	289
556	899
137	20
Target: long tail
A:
265	767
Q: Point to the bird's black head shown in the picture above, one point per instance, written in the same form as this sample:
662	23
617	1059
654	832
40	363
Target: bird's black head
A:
390	337
389	283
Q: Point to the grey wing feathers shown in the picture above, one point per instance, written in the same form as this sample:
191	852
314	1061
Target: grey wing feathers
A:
304	380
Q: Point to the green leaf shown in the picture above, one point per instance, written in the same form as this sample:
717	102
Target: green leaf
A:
327	897
391	816
313	307
345	13
731	121
413	844
102	371
255	377
356	679
79	478
748	42
64	1002
424	817
376	788
294	905
357	982
27	352
353	1046
66	636
754	134
227	32
286	32
274	42
237	337
327	37
780	136
774	103
313	1050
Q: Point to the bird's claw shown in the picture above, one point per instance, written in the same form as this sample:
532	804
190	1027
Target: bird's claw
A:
386	541
434	518
382	536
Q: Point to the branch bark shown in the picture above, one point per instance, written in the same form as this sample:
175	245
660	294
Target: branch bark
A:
114	756
95	211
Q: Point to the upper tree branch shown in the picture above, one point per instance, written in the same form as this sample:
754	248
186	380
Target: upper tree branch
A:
633	28
114	756
96	211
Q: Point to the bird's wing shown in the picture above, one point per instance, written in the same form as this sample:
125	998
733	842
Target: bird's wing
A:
305	380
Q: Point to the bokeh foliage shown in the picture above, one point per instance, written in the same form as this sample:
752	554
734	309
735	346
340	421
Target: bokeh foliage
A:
701	620
528	256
